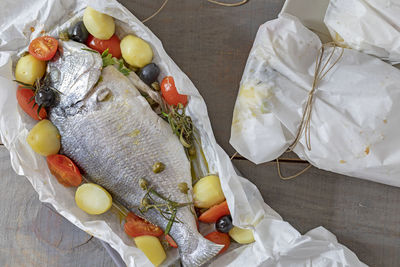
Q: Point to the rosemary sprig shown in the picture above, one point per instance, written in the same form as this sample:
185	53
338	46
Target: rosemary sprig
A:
165	206
181	125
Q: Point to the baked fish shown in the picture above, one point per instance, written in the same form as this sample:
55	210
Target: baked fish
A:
110	131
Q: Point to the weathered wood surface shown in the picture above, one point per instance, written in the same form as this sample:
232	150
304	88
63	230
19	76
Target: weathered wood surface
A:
32	234
211	45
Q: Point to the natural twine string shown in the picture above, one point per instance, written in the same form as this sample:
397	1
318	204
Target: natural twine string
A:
211	1
155	13
228	4
305	123
319	74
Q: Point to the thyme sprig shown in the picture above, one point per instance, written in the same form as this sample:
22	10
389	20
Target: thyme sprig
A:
181	124
165	206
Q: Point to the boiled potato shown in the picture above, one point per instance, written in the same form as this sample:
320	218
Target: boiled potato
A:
99	25
152	248
242	236
207	192
136	51
93	199
29	69
44	138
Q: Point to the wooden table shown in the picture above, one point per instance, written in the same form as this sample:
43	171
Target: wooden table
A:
211	45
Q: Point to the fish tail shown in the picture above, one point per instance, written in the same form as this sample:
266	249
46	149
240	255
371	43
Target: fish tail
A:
200	254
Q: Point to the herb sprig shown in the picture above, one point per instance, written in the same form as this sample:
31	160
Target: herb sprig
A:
108	60
165	206
181	125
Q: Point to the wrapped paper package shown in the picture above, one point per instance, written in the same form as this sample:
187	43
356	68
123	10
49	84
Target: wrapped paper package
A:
370	26
354	127
277	242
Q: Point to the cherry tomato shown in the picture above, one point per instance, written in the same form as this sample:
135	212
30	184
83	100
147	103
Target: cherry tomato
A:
171	241
43	48
214	213
26	100
170	94
136	226
101	45
66	172
220	238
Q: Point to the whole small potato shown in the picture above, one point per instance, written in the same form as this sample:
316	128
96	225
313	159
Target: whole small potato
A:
29	69
99	25
136	51
44	138
207	192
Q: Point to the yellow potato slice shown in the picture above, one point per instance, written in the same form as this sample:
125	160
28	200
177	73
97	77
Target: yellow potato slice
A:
152	248
242	236
93	199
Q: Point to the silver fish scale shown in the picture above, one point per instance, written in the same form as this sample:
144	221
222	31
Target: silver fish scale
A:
113	135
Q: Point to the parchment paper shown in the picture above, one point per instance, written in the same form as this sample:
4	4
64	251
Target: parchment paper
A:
370	26
277	242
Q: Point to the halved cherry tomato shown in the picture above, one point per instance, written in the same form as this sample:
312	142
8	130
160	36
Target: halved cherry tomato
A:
219	238
170	93
215	212
171	241
43	48
66	172
101	45
136	226
26	100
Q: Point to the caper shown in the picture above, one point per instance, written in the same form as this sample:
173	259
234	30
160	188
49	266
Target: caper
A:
158	167
155	86
143	183
183	187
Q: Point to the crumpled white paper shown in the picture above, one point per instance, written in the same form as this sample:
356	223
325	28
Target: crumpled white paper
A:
354	121
277	243
370	26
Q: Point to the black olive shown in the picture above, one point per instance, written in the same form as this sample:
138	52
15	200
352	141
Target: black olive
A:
149	73
45	97
78	32
224	224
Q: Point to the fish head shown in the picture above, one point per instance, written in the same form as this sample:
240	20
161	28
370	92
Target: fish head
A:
73	72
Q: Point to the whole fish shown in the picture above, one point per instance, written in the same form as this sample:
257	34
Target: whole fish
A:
114	136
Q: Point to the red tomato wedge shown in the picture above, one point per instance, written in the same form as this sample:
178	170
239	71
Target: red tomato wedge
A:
170	94
136	226
26	100
220	238
100	46
66	172
43	48
171	241
215	212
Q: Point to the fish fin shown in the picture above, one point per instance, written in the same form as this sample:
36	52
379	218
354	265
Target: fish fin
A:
203	252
